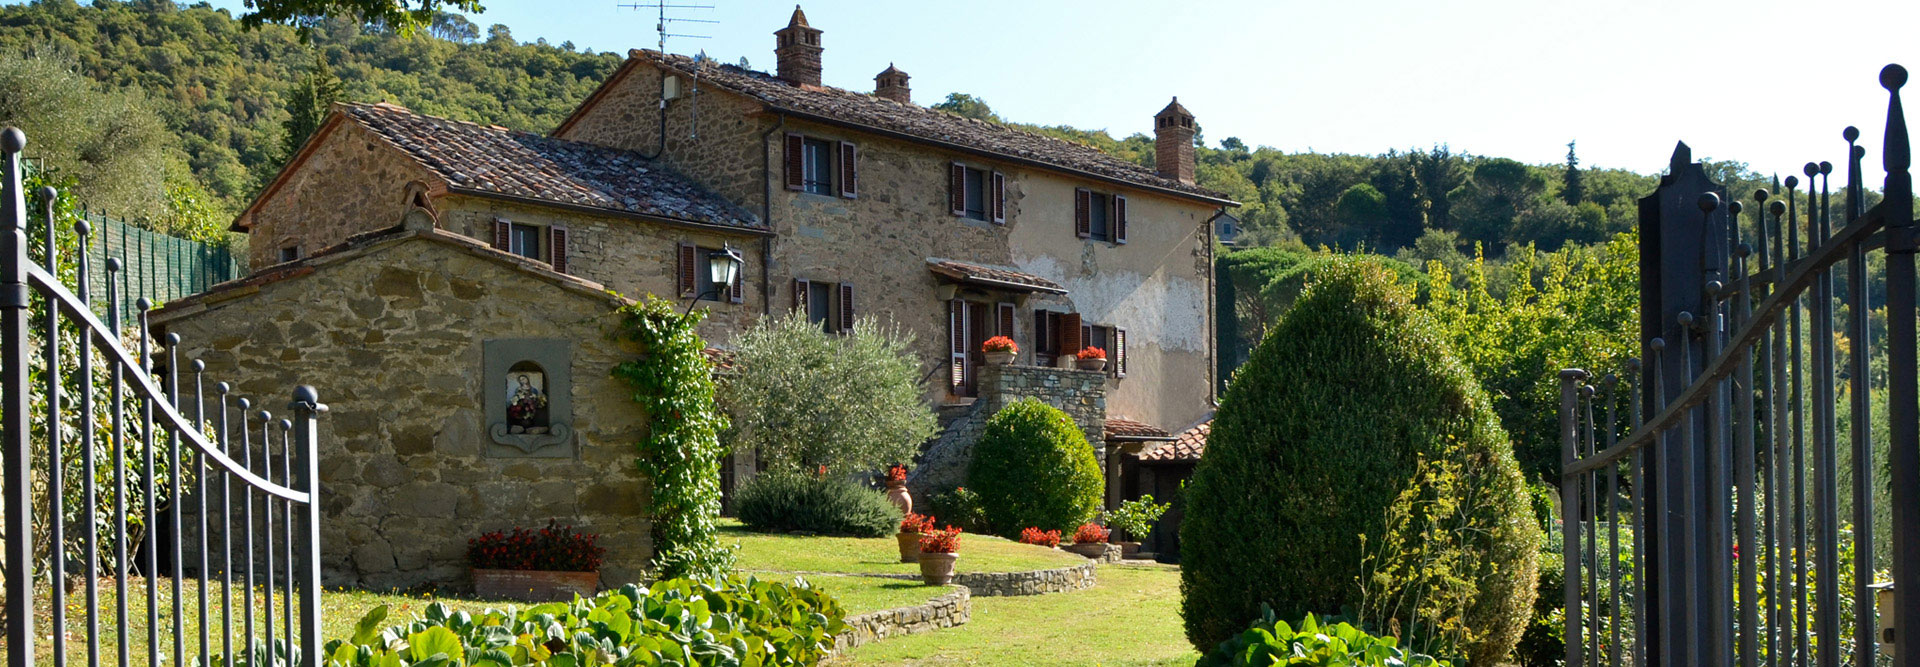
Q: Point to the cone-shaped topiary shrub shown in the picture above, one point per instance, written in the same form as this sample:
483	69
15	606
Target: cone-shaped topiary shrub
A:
1032	467
1355	467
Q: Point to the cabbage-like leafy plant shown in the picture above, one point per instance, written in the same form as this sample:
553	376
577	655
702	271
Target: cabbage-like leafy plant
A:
1272	641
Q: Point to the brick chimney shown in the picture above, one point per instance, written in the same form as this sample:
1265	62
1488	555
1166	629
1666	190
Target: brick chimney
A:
1173	143
797	47
892	85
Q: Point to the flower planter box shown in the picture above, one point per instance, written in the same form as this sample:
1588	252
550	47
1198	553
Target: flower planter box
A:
1096	364
534	585
1000	358
936	568
909	547
1088	549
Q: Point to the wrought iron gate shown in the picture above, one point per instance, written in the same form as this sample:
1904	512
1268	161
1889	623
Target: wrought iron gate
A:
242	536
1734	550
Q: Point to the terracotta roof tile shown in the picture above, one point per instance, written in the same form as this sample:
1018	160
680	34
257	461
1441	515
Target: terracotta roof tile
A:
1121	427
920	122
1189	445
993	276
492	159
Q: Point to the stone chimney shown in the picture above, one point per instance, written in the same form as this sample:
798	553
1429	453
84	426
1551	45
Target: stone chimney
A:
892	85
797	47
1173	143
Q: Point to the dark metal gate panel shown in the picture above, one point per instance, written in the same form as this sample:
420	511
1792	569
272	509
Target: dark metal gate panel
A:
1703	527
71	388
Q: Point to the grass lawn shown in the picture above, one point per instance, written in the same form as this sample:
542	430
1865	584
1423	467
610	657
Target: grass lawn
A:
1130	617
762	552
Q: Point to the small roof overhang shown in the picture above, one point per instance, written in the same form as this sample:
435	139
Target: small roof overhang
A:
992	277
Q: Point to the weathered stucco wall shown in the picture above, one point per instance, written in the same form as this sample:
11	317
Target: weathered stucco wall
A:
352	182
392	337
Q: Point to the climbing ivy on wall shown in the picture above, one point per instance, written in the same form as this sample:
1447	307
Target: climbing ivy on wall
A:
673	382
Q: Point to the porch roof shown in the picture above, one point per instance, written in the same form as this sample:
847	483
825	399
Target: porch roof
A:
992	277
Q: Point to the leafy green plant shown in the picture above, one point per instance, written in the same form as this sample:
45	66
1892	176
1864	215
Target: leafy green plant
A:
733	621
783	501
1136	517
1273	642
1332	431
1033	467
961	507
673	382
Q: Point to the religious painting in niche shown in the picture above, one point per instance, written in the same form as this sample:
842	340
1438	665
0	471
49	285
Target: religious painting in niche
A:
527	399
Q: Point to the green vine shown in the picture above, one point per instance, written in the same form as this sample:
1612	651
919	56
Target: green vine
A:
673	382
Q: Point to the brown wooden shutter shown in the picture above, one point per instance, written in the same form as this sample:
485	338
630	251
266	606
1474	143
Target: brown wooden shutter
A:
796	157
1005	319
737	293
1082	213
849	170
1119	352
689	281
1042	352
1072	337
957	188
502	235
846	307
957	341
557	246
800	287
1119	219
999	193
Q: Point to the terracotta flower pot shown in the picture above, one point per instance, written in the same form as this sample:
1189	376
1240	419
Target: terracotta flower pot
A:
1088	549
1128	549
1091	364
534	585
909	547
937	569
1000	358
898	495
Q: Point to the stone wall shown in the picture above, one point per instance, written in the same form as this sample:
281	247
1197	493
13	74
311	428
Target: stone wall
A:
726	158
391	334
946	611
352	182
1080	394
1037	582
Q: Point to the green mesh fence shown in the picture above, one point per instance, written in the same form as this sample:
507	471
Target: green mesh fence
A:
152	266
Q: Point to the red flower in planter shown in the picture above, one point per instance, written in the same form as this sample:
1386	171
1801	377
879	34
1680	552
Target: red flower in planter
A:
1089	533
555	547
897	475
940	541
1045	538
1090	352
1000	344
916	523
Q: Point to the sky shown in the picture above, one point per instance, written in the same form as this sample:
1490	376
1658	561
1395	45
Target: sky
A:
1764	82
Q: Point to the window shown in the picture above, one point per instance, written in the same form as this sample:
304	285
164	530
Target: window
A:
696	276
975	191
816	174
829	305
290	253
1100	216
1057	337
811	165
1098	226
524	240
977	194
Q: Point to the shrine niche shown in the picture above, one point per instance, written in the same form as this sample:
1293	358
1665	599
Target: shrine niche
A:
529	397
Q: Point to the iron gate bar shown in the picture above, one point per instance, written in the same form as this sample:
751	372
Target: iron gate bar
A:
1903	420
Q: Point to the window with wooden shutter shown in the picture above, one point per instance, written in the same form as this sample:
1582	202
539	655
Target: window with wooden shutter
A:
1082	212
998	192
1072	336
796	161
689	269
849	170
1119	352
957	188
737	292
502	234
557	241
957	342
1119	219
1042	345
800	289
846	308
1005	319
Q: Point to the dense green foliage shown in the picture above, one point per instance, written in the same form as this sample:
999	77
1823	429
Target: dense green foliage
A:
1032	466
781	501
733	621
801	398
108	142
958	506
673	383
1135	518
1395	493
402	16
1272	641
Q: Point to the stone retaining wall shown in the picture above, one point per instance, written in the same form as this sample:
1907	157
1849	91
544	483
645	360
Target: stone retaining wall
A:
946	611
1037	582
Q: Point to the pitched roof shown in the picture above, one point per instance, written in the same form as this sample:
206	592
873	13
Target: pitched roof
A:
1188	446
916	123
991	276
1121	428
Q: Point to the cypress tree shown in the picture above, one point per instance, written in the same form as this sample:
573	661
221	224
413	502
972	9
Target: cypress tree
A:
308	104
1575	190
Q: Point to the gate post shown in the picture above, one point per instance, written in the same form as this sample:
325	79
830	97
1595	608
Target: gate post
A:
14	434
306	407
1903	396
1570	380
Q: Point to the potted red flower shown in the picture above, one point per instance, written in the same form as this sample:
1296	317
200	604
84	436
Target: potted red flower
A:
939	549
1000	350
553	563
896	482
911	528
1042	538
1090	540
1091	359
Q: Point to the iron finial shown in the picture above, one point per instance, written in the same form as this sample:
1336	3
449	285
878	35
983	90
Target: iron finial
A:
1657	344
306	394
1685	318
199	365
244	404
47	193
1810	170
1609	380
1708	201
144	303
1586	391
1714	288
1826	167
286	424
1632	364
264	416
81	227
1761	195
1892	77
1734	207
222	388
1777	208
1742	250
172	339
12	140
1851	134
113	264
1792	181
1859	152
1573	374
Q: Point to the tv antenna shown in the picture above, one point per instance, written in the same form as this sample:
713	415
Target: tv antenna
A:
660	7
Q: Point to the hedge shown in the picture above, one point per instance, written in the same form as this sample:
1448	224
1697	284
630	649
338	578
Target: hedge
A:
1032	467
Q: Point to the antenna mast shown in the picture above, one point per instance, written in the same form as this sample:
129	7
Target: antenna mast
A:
660	8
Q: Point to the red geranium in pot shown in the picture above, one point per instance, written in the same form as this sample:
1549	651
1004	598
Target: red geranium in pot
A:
1090	540
1000	350
909	538
553	563
1043	538
897	494
939	549
1091	359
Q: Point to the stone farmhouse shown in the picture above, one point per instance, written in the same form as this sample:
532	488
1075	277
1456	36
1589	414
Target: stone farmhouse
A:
450	285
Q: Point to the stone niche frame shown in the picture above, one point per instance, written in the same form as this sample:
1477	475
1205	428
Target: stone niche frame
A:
554	356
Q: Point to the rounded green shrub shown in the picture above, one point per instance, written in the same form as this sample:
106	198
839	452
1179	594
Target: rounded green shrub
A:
1354	464
787	502
1032	466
